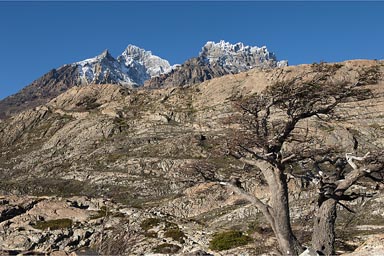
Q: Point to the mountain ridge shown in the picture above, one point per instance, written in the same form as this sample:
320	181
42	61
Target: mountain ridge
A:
101	69
136	67
215	60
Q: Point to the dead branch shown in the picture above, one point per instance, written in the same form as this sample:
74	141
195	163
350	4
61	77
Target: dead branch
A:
350	159
346	207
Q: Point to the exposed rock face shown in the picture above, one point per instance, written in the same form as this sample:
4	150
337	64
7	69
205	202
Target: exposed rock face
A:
193	71
215	60
145	149
41	90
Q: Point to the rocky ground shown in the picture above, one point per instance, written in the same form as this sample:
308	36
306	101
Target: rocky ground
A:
116	171
90	225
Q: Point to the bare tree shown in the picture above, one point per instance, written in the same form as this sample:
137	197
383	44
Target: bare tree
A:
333	187
271	126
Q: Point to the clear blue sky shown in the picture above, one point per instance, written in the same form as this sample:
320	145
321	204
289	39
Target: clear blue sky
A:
38	36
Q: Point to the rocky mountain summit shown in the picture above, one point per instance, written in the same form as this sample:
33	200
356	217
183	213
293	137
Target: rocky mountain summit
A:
142	65
136	66
115	170
215	60
239	57
131	68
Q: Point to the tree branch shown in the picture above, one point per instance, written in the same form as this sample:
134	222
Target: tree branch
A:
345	207
264	208
350	159
288	158
253	153
350	179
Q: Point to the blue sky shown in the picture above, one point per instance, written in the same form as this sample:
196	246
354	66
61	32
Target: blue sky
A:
38	36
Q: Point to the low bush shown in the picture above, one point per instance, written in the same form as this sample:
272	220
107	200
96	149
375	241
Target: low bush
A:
166	248
149	223
176	234
54	224
228	240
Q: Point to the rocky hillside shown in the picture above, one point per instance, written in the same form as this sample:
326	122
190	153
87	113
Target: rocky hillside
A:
117	164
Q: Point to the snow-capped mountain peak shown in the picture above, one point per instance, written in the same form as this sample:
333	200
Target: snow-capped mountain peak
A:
105	55
144	62
224	46
215	60
136	53
101	69
134	66
239	56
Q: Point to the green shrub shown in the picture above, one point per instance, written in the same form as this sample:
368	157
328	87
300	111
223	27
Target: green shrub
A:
149	223
54	224
253	227
228	240
166	248
176	234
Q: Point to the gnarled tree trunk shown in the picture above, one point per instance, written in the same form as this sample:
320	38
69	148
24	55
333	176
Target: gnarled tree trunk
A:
281	225
323	236
278	211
